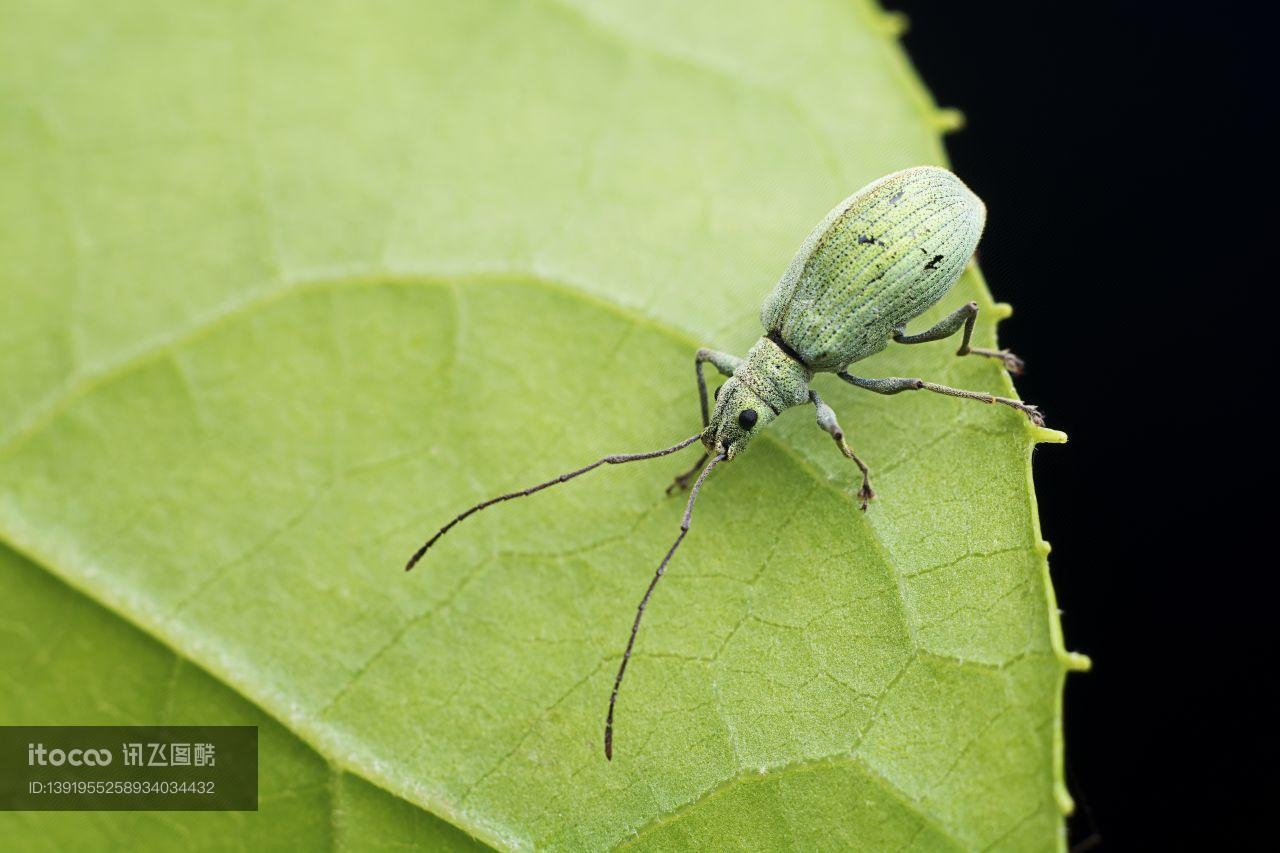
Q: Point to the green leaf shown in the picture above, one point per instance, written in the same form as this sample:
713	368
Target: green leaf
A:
66	660
285	287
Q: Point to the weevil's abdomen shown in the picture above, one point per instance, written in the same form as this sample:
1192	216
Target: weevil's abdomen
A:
881	258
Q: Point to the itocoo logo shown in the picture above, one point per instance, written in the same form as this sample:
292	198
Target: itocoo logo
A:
37	754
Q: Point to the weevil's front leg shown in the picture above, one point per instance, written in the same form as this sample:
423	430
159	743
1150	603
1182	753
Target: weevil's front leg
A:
946	327
827	420
897	384
725	363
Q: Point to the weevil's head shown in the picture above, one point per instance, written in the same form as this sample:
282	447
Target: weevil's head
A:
738	417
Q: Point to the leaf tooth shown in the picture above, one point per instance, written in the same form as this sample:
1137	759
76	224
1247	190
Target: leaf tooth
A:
892	24
1045	435
1076	662
1065	804
947	120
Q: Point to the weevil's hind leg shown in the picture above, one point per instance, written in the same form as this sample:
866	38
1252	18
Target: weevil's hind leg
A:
727	365
965	316
827	420
898	384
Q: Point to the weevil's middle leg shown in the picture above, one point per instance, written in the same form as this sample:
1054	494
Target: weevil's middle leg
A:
965	316
827	420
898	384
726	364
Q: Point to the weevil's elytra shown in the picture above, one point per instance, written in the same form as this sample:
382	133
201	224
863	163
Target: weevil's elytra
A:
836	283
880	259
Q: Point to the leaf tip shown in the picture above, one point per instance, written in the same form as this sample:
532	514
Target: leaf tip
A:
1001	311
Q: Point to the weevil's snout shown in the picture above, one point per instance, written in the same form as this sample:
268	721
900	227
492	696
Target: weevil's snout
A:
709	438
739	415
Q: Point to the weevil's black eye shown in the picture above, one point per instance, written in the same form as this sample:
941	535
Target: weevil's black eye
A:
747	418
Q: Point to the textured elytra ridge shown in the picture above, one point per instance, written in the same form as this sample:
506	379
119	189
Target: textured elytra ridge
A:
877	261
369	335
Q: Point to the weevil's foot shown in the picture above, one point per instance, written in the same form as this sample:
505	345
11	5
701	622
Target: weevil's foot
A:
1011	362
1033	414
682	482
686	479
865	495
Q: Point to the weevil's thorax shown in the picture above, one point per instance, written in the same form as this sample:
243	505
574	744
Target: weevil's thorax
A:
766	384
777	377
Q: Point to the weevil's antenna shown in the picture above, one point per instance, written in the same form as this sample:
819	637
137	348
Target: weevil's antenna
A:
608	460
635	626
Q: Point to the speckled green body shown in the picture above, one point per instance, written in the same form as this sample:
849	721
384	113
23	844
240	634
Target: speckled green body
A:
881	258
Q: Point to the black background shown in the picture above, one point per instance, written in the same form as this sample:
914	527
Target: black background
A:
1119	149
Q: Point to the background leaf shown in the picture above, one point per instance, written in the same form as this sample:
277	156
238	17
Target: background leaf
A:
286	285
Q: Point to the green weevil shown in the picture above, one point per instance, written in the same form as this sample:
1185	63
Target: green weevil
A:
881	258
